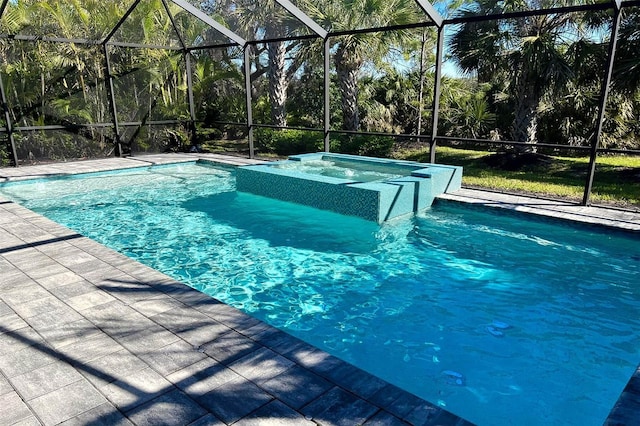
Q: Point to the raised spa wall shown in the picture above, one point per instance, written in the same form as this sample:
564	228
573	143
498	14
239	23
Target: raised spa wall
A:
376	201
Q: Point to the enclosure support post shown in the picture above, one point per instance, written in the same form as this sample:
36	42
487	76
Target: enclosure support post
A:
192	109
247	86
435	110
112	101
327	93
604	94
7	118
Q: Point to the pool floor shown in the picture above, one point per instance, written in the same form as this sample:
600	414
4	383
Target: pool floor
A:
81	323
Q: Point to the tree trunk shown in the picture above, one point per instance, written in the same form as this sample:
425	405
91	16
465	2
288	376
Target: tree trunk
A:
347	69
525	121
277	83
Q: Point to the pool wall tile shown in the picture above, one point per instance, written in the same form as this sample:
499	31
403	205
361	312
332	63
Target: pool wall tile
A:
445	179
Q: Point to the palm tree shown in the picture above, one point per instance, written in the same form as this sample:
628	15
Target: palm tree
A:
266	21
627	65
353	51
621	127
278	82
525	55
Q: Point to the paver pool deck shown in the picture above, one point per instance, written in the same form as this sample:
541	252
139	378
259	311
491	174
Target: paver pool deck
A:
91	337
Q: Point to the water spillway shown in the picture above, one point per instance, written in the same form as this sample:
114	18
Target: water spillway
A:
374	189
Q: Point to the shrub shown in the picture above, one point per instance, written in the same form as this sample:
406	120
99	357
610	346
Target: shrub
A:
375	146
205	134
287	142
4	156
290	142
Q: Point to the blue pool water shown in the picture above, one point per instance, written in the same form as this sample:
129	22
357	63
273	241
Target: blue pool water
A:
346	170
500	319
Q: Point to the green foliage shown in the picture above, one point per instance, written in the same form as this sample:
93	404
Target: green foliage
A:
291	142
64	84
368	145
177	139
218	89
56	145
287	142
205	134
525	59
305	100
469	118
4	156
353	52
627	64
389	102
545	75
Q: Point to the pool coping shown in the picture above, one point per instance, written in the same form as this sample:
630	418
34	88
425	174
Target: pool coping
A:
618	219
67	306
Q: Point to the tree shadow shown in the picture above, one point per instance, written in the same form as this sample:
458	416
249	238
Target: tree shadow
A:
40	243
246	371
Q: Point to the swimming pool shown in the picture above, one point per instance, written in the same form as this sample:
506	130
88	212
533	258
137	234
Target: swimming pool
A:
500	319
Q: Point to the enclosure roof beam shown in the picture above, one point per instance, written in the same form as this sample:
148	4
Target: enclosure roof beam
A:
173	24
144	46
211	46
120	22
303	17
433	14
381	29
210	21
280	39
83	41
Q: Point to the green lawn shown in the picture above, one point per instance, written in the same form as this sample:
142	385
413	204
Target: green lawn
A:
617	179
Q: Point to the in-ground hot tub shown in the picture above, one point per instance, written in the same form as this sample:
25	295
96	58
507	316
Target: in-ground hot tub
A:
374	189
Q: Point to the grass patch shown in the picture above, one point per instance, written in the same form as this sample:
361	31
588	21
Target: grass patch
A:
617	179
